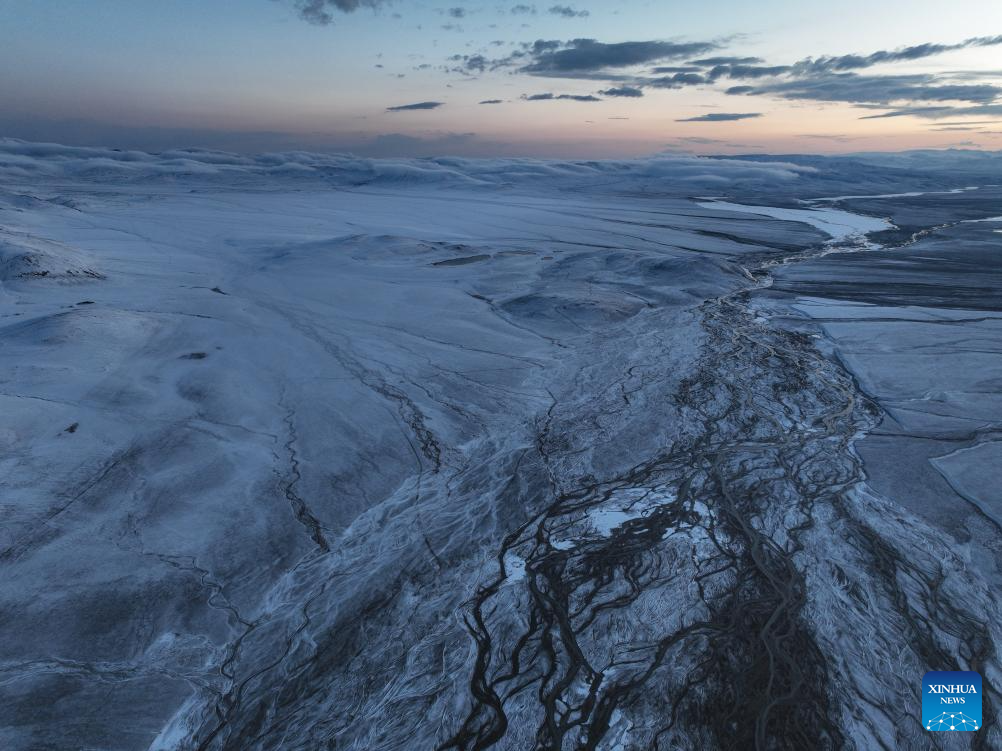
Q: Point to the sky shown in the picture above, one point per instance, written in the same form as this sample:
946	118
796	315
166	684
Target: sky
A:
580	79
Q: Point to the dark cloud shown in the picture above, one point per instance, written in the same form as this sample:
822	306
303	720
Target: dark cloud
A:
567	11
941	112
821	79
677	81
829	79
711	72
457	12
930	112
321	12
492	101
720	117
861	89
746	71
554	97
974	75
523	10
676	69
589	55
623	91
415	106
916	52
469	64
709	62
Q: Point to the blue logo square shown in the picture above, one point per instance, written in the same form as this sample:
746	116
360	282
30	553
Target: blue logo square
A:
951	700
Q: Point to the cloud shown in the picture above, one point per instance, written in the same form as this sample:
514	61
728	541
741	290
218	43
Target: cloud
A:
930	112
864	89
567	11
746	71
20	160
940	112
469	64
415	106
831	78
623	91
677	69
554	97
694	75
492	101
973	75
457	12
321	12
579	56
523	10
677	81
720	117
709	62
915	52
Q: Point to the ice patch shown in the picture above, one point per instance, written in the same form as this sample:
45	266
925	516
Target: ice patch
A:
912	194
625	506
622	506
514	567
839	225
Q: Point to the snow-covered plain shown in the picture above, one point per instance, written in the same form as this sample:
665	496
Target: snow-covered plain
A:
309	452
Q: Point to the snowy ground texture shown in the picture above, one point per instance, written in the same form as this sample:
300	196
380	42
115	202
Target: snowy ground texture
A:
311	452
